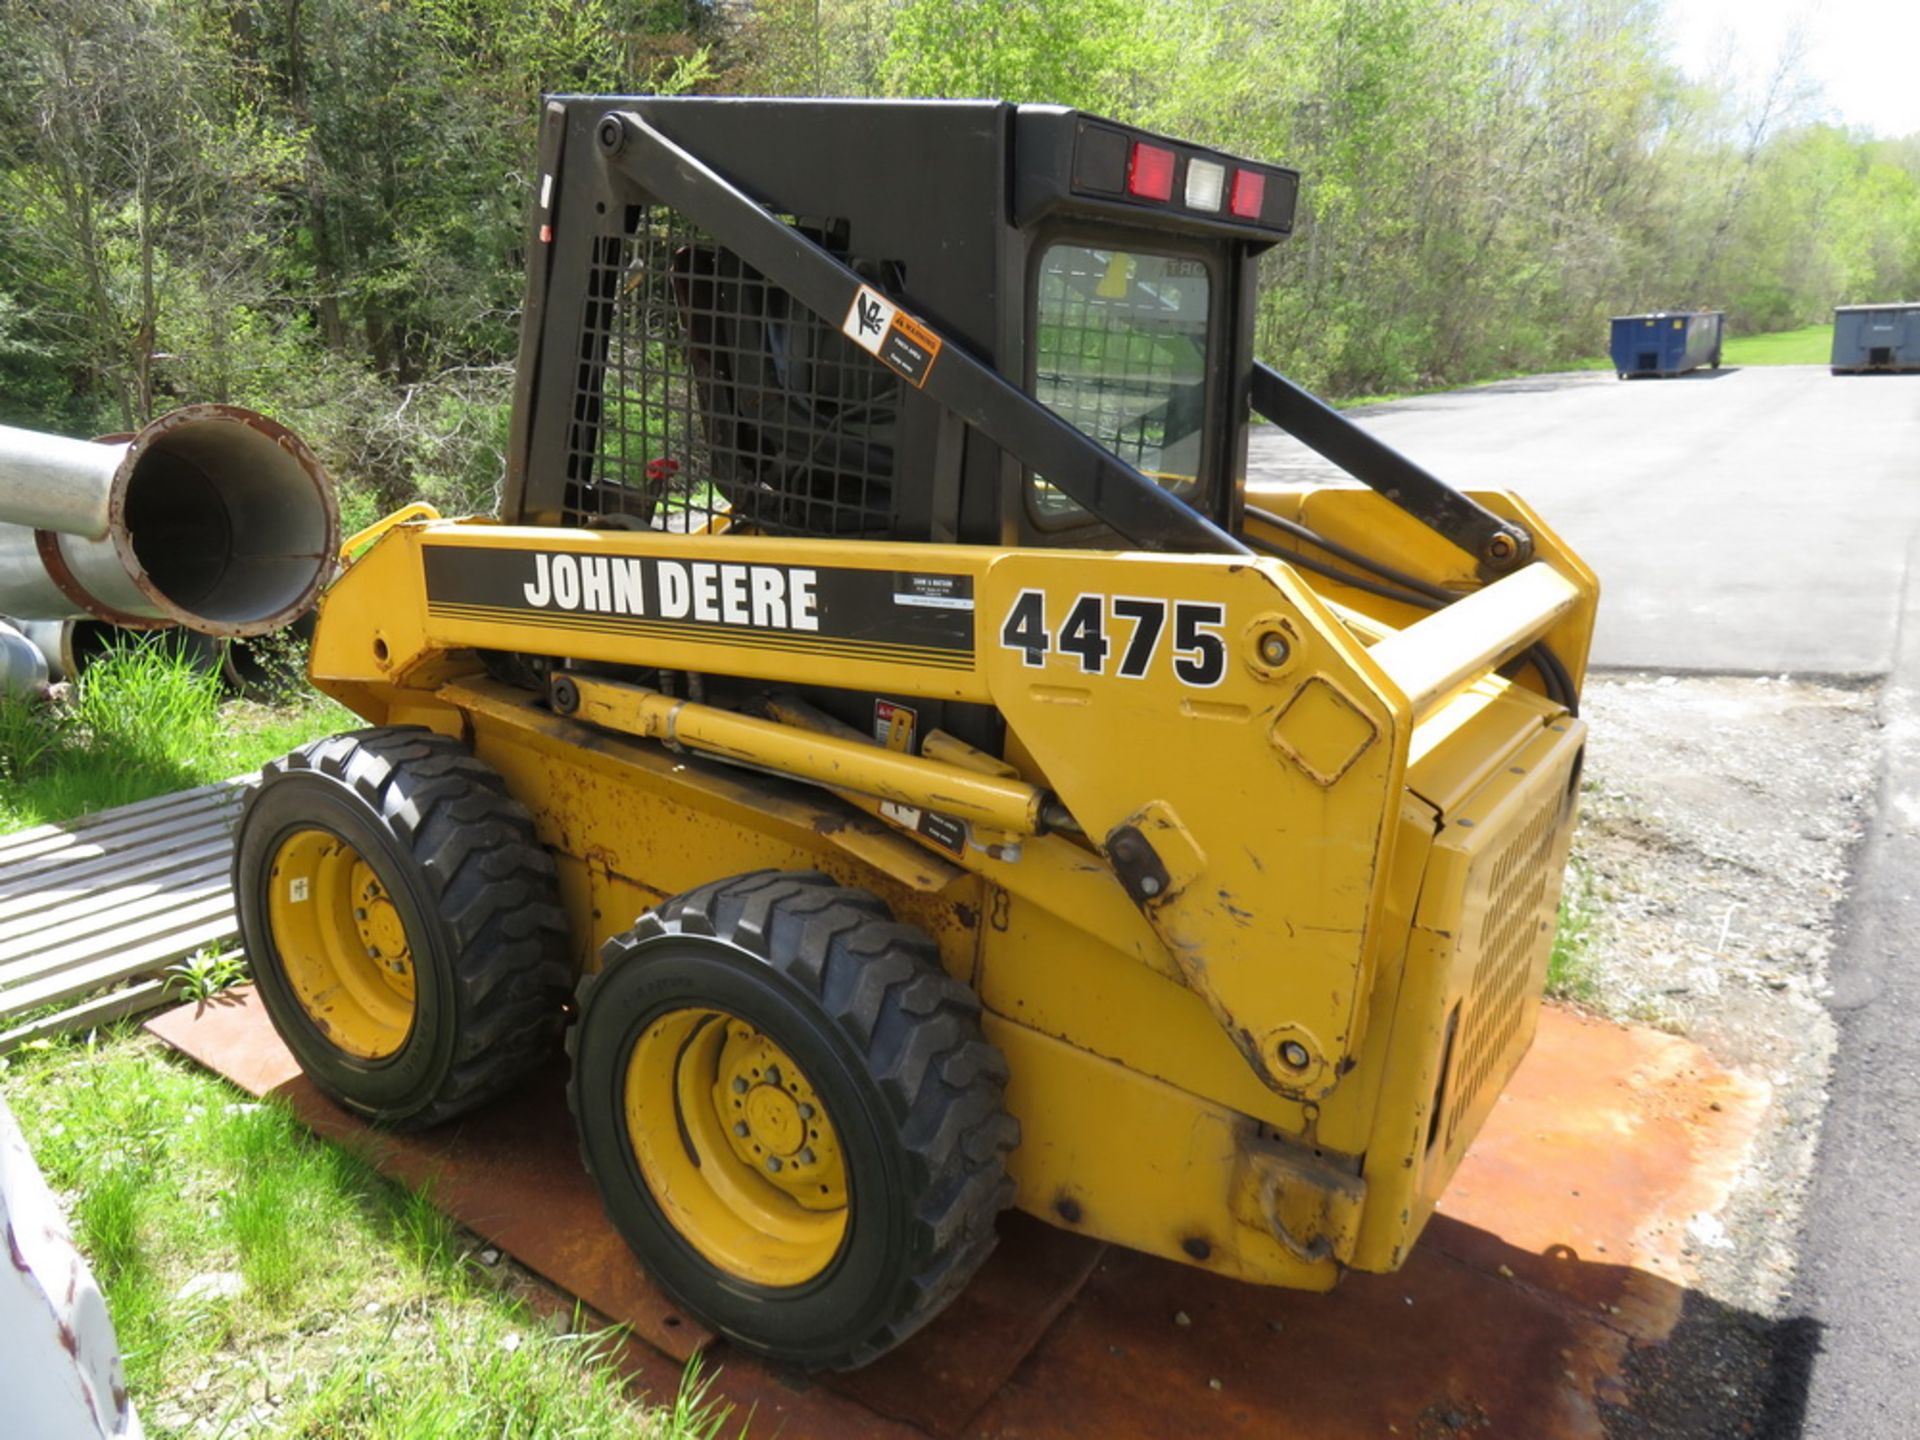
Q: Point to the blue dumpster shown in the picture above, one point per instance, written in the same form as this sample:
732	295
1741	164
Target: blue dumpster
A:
1665	343
1876	337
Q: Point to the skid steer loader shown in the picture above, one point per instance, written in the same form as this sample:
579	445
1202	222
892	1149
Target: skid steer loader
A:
885	739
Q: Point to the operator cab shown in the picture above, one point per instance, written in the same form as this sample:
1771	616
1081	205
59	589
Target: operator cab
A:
1105	271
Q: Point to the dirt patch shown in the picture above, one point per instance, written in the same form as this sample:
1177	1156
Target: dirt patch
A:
1721	818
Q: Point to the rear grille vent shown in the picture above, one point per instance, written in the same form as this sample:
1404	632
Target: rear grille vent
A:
708	398
1509	949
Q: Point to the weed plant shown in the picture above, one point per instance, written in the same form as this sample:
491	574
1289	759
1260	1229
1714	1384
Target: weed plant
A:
263	1281
205	973
1572	968
142	720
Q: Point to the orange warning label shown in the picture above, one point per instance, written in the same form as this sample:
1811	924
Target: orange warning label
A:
910	347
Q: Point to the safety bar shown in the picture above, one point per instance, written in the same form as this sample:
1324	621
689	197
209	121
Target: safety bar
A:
1434	659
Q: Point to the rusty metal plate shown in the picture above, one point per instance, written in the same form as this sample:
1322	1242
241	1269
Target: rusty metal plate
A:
1608	1140
1441	1349
1557	1252
940	1379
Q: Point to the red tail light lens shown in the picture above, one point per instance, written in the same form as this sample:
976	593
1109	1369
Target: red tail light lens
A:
1150	172
1249	194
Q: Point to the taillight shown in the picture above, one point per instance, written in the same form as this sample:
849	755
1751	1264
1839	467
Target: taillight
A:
1205	182
1150	172
1249	194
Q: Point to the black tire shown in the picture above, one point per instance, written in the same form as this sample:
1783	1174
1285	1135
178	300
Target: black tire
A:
476	895
893	1049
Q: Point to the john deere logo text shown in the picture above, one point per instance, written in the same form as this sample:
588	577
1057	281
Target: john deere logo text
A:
765	596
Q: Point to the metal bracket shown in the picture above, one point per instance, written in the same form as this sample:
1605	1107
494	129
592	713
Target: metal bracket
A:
1307	1203
1138	867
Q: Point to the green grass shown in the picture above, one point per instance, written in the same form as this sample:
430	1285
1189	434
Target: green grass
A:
1810	345
328	1303
1572	971
140	721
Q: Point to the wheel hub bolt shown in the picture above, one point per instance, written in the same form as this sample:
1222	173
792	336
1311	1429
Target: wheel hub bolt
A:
740	1129
773	1163
739	1085
773	1075
806	1111
805	1157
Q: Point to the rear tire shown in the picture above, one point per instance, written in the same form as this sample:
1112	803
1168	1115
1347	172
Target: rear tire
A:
403	922
792	1115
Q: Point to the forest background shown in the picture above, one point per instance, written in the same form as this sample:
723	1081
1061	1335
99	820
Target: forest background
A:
317	207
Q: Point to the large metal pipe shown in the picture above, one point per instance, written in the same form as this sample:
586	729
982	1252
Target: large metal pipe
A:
68	645
212	517
23	669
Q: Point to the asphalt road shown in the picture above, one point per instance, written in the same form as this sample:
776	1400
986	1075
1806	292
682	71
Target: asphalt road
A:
1755	522
1749	521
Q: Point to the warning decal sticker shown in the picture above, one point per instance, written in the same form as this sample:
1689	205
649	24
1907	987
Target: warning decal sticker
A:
890	335
943	831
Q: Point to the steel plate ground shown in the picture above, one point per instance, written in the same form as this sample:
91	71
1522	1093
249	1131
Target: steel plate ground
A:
1560	1250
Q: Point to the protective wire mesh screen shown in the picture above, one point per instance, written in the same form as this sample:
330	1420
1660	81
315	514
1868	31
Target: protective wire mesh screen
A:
710	399
1120	354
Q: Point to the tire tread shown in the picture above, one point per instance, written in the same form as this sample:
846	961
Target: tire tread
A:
493	885
880	983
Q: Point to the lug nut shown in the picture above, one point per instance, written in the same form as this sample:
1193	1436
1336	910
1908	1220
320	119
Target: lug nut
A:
773	1164
772	1077
739	1085
740	1129
806	1111
805	1157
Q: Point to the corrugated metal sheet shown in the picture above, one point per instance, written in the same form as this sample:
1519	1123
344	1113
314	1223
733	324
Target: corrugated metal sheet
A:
93	910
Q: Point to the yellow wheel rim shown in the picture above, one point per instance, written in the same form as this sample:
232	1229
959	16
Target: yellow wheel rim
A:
735	1146
342	944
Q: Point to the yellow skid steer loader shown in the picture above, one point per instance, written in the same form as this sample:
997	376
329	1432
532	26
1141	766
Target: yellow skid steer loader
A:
883	738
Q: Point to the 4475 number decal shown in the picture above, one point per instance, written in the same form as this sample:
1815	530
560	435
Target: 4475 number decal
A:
1122	635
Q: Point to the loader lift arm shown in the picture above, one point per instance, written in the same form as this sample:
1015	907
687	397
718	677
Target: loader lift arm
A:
1109	488
1497	545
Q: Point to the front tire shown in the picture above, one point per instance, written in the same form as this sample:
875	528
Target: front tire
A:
792	1115
403	922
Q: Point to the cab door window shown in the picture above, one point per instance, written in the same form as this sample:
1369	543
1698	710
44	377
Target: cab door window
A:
1120	353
